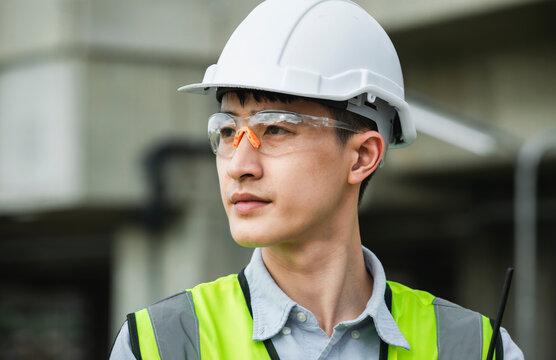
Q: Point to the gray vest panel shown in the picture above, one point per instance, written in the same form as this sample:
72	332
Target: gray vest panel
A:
459	331
176	327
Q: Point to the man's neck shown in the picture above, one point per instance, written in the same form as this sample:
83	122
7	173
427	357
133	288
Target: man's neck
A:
327	277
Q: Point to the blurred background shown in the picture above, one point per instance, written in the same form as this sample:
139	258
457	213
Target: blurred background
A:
108	192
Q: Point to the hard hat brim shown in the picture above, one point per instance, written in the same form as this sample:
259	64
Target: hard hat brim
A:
408	129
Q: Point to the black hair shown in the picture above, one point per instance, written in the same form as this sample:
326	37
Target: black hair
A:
336	108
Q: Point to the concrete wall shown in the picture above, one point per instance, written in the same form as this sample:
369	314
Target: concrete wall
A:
93	73
78	77
406	14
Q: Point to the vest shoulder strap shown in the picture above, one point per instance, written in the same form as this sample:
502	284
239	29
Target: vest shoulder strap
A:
247	295
225	323
414	314
437	328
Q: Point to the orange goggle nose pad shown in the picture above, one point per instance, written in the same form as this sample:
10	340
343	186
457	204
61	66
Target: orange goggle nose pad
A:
253	139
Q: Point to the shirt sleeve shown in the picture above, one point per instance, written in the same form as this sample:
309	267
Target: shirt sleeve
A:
511	351
122	346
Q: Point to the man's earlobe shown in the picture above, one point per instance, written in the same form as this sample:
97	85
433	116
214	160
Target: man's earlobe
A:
370	149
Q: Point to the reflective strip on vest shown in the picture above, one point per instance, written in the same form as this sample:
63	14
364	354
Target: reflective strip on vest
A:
176	327
459	331
212	321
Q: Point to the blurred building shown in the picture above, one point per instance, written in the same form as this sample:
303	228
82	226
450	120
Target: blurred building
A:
108	193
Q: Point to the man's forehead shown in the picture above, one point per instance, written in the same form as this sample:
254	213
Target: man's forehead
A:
232	104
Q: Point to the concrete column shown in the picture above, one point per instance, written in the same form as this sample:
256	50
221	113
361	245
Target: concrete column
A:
131	288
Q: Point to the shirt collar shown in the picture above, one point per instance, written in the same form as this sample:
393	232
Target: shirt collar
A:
385	324
271	306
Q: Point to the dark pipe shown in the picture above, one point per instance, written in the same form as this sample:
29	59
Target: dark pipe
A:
158	213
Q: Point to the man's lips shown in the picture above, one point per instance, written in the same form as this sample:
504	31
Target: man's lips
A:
245	203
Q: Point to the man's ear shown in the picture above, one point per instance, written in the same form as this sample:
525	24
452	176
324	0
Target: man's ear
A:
370	148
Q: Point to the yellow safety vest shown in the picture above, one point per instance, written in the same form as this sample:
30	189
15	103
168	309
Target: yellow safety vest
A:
213	321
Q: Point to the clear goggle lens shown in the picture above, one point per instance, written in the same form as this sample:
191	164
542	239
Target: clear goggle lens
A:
272	132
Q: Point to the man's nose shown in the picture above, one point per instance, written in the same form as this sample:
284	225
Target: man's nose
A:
245	159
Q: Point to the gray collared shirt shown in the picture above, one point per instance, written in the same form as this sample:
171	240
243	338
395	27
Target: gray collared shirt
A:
295	331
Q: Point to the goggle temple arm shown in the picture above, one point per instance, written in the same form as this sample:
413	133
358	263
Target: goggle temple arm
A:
253	139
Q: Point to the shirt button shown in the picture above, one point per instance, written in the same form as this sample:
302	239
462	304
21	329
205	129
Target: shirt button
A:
301	317
355	334
286	330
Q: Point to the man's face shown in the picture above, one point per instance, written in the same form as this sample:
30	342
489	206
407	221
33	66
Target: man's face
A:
288	198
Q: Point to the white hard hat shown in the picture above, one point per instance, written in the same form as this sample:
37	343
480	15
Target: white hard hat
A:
322	49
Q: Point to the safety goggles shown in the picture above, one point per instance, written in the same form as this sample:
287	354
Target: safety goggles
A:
271	132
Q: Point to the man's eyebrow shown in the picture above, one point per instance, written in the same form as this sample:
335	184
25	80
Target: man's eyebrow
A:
233	113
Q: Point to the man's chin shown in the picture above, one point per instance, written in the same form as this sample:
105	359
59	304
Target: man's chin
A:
252	239
251	243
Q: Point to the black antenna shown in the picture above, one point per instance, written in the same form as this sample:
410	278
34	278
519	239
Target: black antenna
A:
501	308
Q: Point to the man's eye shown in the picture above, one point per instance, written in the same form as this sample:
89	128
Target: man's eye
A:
227	133
276	130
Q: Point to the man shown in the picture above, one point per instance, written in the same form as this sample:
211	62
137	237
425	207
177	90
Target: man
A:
311	96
